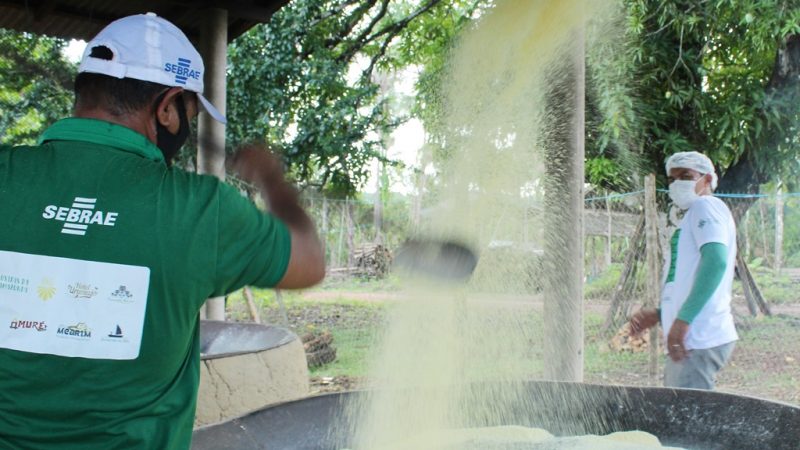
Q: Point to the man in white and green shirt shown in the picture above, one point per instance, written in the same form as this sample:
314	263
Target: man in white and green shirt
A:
695	309
107	253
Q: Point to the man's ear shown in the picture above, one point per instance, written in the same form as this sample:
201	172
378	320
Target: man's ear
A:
166	111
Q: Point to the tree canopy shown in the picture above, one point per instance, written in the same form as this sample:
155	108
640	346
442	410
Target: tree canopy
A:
307	80
720	77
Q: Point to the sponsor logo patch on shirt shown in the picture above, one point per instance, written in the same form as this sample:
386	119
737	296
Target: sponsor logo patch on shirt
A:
71	307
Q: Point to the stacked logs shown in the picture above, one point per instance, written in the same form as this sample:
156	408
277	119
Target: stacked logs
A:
372	261
319	348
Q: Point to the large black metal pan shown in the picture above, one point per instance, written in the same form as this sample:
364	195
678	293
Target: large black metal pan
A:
684	418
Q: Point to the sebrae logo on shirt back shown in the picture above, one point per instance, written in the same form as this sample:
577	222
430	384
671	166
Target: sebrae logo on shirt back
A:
79	216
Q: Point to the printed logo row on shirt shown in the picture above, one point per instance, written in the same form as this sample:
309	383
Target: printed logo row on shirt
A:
47	289
77	331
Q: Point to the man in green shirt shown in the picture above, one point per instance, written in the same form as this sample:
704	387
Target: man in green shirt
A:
107	253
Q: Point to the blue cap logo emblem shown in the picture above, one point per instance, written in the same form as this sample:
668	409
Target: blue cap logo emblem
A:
185	63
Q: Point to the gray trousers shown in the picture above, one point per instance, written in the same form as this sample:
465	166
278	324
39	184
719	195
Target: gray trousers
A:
699	369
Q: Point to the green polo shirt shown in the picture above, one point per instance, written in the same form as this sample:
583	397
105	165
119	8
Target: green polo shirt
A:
91	220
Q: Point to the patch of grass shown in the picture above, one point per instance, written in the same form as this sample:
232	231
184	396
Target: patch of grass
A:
352	353
603	285
355	284
766	360
776	288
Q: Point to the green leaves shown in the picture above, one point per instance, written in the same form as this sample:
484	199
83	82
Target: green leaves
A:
35	85
307	82
702	76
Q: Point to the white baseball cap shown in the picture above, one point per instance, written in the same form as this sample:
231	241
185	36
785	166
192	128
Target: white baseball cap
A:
149	48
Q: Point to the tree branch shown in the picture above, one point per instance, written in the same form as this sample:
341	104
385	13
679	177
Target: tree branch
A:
391	31
362	39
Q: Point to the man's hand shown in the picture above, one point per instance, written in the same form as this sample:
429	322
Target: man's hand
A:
257	166
676	338
644	319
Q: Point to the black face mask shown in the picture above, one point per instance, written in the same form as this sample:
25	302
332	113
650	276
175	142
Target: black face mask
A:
169	143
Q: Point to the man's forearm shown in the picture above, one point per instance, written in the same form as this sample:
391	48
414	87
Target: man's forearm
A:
710	271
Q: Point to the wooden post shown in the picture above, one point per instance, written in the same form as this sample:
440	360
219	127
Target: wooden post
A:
746	234
652	257
762	214
563	218
324	230
211	134
251	304
351	231
282	308
755	299
778	263
341	235
608	231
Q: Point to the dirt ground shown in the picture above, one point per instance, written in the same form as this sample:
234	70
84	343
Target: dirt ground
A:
766	362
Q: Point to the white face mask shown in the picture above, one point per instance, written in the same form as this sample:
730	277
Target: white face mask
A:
682	193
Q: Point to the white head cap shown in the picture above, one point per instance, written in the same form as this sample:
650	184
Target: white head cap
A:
695	161
148	48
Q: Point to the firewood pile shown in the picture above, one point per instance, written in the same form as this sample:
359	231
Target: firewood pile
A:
372	261
319	348
624	342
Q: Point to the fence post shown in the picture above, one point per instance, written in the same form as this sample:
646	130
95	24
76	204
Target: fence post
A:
651	252
608	230
746	234
324	230
348	210
778	264
341	236
763	231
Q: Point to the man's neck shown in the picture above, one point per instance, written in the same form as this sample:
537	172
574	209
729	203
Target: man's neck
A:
136	122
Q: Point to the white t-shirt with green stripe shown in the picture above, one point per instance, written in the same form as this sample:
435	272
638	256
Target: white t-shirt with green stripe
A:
707	220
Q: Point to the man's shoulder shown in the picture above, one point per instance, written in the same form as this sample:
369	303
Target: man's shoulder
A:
710	213
197	187
710	202
192	179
